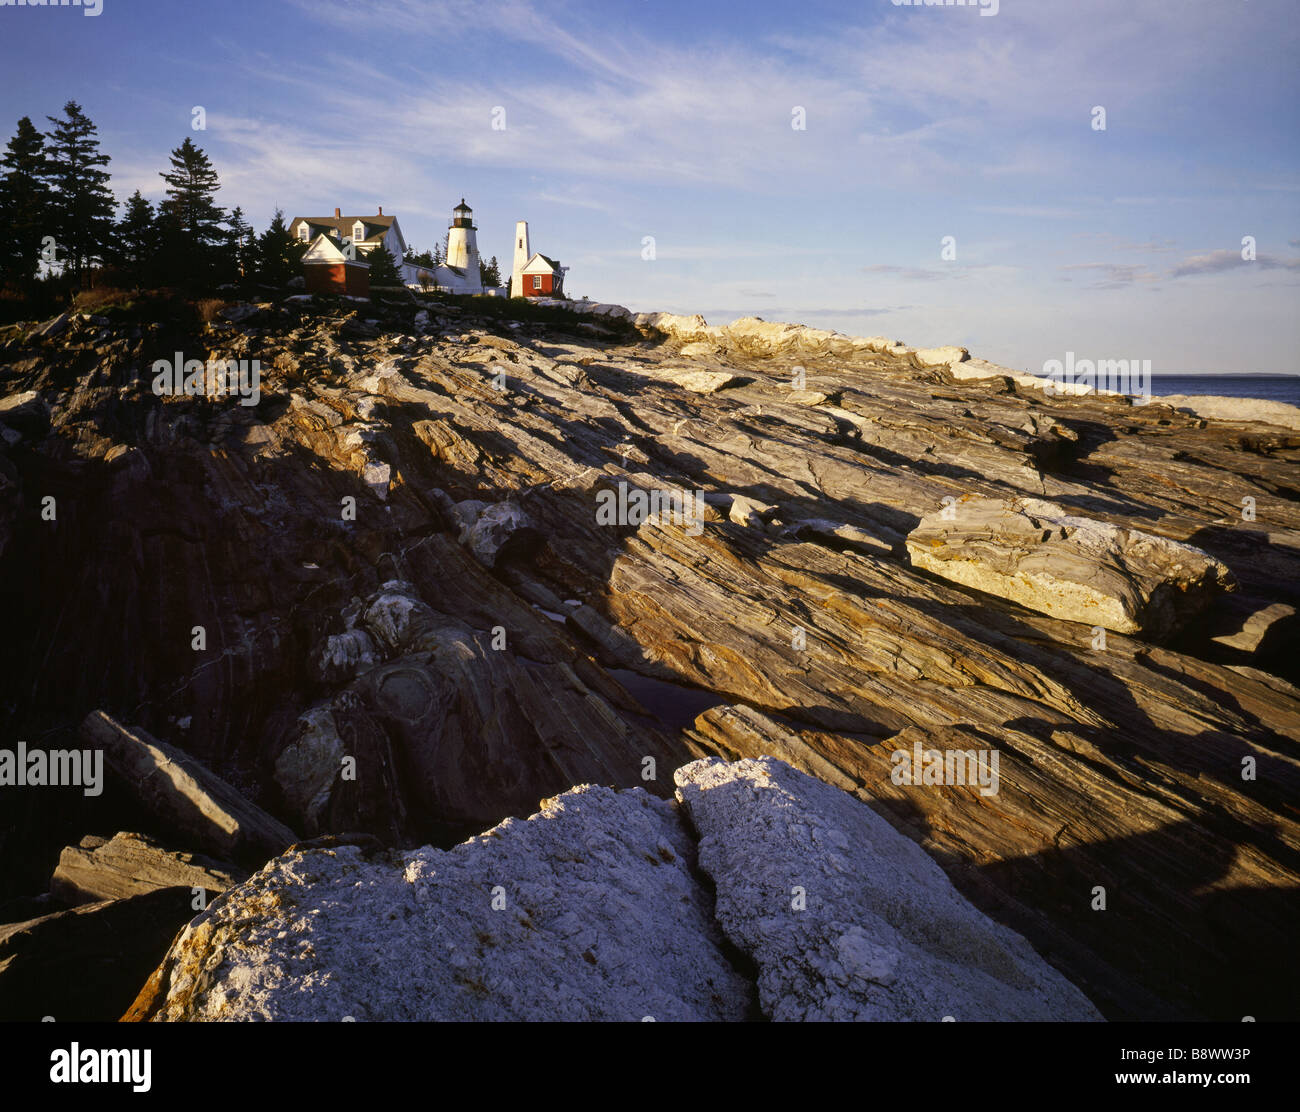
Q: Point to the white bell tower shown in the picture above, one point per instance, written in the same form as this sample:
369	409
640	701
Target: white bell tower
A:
462	243
522	254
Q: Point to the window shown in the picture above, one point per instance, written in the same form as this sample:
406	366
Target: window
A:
303	232
537	281
358	231
521	243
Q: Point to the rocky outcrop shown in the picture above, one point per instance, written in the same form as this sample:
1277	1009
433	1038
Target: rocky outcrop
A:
217	574
87	963
1069	567
592	909
1244	410
130	865
844	918
588	910
184	794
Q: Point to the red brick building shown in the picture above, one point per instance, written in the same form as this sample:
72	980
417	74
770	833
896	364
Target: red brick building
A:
327	269
542	277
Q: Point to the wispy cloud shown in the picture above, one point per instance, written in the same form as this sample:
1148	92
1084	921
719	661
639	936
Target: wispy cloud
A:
1111	276
1216	262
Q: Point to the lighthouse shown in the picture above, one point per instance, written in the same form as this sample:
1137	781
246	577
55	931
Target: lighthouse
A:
462	244
522	254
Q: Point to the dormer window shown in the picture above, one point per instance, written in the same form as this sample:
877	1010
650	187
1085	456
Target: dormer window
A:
358	232
304	232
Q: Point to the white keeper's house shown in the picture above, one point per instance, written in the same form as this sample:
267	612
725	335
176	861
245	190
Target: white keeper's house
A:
459	274
339	241
365	232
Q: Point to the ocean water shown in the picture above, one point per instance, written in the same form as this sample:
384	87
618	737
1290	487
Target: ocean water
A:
1269	388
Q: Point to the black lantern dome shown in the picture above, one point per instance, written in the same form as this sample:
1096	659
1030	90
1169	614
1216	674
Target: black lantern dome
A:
462	216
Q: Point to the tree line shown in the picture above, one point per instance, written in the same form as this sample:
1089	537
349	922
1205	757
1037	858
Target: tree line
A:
63	225
63	230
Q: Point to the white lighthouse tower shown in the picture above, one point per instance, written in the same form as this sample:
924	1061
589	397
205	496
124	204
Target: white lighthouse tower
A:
462	244
522	254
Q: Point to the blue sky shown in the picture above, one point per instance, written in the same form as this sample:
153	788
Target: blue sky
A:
634	118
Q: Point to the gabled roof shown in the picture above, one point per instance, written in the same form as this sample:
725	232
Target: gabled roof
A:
539	263
323	249
342	223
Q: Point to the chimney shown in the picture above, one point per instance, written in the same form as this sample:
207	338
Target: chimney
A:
381	210
338	215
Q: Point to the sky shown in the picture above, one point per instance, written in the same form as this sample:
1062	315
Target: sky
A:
950	182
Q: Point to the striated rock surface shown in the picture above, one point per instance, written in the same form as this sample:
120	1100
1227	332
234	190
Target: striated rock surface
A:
130	865
592	910
1066	566
1165	773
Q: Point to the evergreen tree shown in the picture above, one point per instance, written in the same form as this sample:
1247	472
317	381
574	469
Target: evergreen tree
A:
278	254
420	258
24	203
192	210
240	263
82	206
383	270
136	237
489	272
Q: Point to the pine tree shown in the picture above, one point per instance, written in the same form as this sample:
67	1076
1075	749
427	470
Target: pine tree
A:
82	206
383	270
24	203
489	272
135	245
191	209
239	247
278	254
420	258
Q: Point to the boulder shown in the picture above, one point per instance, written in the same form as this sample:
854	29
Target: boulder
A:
940	356
846	919
705	382
397	619
1035	553
750	511
342	656
489	531
27	413
308	766
594	909
588	910
1282	414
